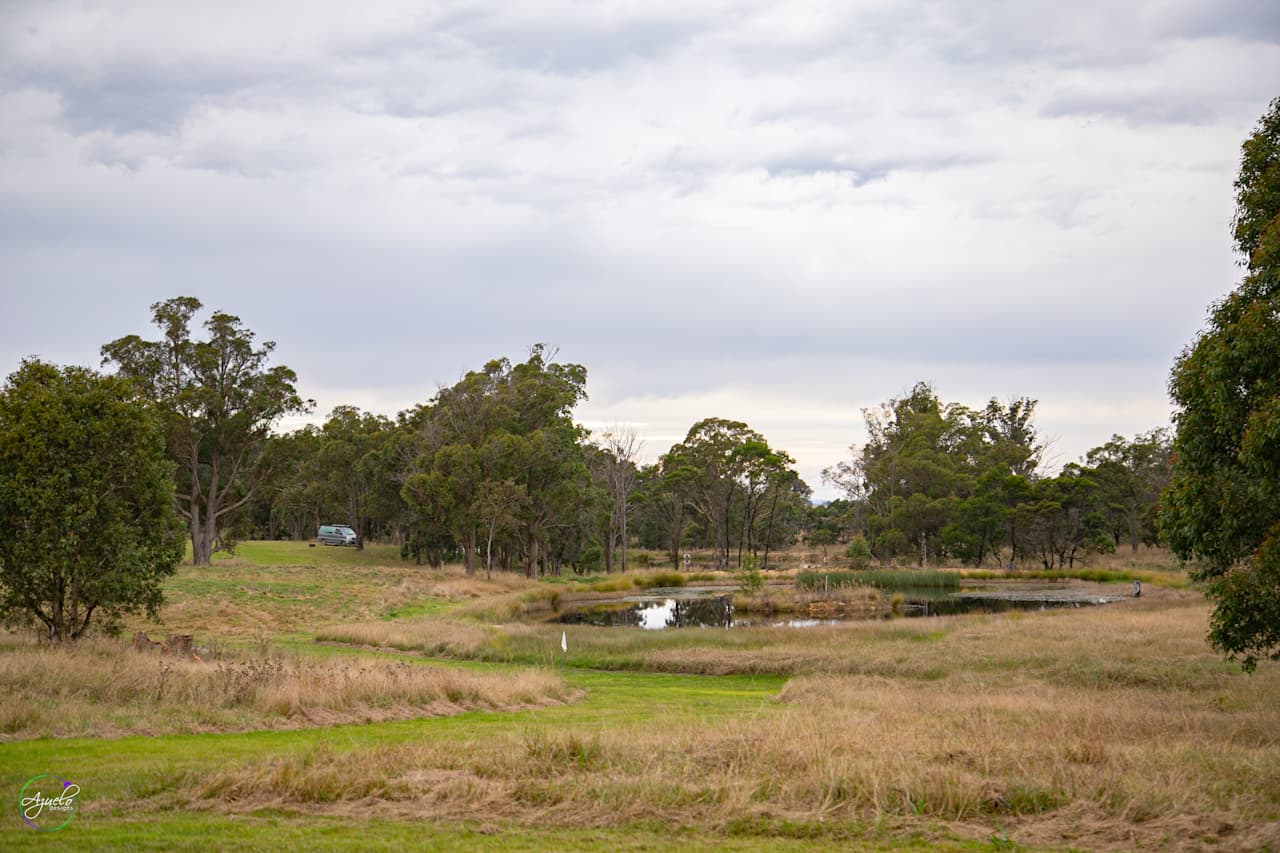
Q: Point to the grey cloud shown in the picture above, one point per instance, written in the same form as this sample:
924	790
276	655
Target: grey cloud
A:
574	46
395	205
860	172
1246	20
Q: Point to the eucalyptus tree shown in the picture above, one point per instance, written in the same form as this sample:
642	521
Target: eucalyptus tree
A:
663	506
1131	474
729	478
505	422
783	508
709	463
1063	518
219	398
351	464
938	478
1222	507
614	465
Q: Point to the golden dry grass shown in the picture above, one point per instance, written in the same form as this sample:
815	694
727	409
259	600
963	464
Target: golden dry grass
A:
1107	728
104	688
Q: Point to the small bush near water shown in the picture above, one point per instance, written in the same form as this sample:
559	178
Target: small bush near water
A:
660	579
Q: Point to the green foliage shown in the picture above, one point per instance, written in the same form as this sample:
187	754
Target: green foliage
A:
739	490
592	558
809	580
750	580
858	552
497	458
1130	476
219	400
87	498
940	479
659	579
886	578
1223	505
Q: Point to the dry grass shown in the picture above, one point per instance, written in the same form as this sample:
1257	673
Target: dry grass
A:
1113	727
430	636
103	688
1053	765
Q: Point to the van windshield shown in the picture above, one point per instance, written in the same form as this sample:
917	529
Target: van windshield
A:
345	530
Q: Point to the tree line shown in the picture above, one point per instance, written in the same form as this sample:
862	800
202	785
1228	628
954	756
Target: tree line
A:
941	482
492	471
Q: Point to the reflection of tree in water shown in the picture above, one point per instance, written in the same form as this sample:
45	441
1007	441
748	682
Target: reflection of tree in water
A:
714	612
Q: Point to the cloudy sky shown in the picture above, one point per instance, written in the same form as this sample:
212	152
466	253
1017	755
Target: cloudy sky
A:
775	212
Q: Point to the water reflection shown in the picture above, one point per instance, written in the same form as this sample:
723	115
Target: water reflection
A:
694	610
703	612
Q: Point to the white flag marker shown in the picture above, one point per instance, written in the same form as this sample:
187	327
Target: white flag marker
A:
564	642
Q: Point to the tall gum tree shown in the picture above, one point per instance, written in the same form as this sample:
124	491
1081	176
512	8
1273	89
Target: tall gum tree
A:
506	423
219	399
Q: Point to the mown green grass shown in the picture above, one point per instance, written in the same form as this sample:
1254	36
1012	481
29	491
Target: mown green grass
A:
286	553
148	772
282	830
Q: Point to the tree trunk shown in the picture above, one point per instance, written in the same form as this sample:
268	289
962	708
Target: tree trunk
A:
768	532
355	521
199	551
488	553
622	523
469	552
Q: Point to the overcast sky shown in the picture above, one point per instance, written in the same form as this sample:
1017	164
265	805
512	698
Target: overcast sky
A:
774	212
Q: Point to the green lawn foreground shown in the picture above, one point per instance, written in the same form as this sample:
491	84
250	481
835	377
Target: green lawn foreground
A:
127	784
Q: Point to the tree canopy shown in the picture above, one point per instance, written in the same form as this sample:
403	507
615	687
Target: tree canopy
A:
1223	506
87	497
219	399
499	452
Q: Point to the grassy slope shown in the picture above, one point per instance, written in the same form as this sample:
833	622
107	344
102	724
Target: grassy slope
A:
1147	669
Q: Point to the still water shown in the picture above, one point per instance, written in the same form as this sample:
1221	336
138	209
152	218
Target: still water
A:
677	609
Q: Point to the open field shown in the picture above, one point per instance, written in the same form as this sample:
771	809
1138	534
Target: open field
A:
1102	728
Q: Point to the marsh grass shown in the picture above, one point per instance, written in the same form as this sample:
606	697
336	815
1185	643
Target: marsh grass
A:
919	578
1153	577
655	580
1048	755
813	580
104	688
1103	728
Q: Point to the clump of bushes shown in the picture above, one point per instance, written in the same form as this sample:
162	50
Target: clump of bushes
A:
858	552
659	579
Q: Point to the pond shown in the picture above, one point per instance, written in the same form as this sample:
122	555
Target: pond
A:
709	608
